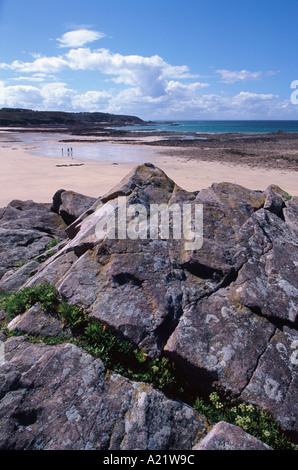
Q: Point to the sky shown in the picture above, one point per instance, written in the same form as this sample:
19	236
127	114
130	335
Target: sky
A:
156	59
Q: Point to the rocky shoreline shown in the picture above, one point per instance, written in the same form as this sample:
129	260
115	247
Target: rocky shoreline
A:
271	151
276	150
225	316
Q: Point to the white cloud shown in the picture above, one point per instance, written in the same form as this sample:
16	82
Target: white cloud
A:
230	76
79	38
56	96
39	65
182	88
145	86
149	74
247	97
22	96
53	96
92	101
180	101
28	79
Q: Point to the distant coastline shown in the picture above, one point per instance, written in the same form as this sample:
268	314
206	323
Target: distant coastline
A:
93	123
27	118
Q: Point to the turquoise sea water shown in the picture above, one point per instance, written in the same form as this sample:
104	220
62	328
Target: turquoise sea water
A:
219	127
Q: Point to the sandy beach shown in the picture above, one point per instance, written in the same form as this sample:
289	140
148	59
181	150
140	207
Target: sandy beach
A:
29	172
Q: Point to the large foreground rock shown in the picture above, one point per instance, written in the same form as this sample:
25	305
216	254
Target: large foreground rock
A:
60	398
225	313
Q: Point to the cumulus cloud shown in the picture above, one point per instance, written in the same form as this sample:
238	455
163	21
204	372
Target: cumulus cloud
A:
79	38
185	88
232	76
53	96
92	100
147	86
183	101
180	101
23	96
149	74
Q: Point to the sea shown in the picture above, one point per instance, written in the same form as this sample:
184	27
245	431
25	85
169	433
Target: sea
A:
217	127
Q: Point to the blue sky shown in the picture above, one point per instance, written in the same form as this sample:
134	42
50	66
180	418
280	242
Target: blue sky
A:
157	59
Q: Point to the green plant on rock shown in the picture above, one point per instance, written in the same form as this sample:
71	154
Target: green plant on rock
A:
48	254
18	302
75	317
160	372
117	354
121	356
54	242
251	419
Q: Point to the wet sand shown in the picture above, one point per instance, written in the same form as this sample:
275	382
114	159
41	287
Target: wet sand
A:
32	165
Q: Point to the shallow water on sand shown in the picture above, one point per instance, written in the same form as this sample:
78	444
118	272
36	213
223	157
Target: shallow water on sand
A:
46	145
57	146
101	152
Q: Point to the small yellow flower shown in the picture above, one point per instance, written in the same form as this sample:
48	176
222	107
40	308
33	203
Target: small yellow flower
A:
214	397
249	408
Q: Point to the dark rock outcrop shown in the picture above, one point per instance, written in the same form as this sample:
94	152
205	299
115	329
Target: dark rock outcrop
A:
225	313
27	118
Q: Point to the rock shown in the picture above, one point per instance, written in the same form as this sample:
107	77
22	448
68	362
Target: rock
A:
3	318
225	313
268	282
2	340
274	201
35	322
214	338
53	269
274	382
29	215
225	436
26	229
12	280
291	213
61	398
70	205
141	287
